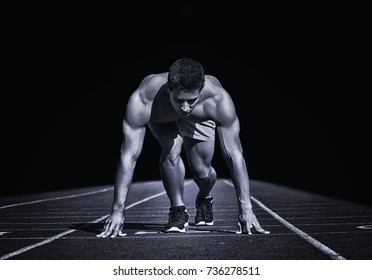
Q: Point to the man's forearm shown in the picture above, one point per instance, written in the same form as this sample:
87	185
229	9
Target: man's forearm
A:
240	179
123	181
243	194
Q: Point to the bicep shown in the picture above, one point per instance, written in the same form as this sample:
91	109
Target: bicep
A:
133	138
134	126
229	139
228	128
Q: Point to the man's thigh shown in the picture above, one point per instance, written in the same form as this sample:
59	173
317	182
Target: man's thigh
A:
167	134
199	154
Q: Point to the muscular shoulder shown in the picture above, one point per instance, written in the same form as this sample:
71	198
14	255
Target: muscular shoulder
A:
218	102
214	90
138	109
149	86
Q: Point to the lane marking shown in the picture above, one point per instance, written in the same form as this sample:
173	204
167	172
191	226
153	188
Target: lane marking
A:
78	195
365	227
225	233
55	198
3	232
51	239
328	251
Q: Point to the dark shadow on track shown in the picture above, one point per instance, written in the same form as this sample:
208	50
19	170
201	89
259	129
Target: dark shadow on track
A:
97	227
208	229
88	227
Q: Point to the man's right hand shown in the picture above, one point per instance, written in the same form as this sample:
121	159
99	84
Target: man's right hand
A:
113	225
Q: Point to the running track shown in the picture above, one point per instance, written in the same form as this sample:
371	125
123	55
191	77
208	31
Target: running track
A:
304	226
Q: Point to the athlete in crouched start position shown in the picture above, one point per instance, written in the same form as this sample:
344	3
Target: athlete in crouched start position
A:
183	108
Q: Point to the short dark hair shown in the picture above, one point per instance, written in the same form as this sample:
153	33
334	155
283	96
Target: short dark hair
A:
186	74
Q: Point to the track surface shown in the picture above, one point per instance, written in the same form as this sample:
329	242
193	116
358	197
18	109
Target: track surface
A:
304	226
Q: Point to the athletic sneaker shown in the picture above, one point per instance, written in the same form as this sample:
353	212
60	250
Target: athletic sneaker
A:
178	219
204	213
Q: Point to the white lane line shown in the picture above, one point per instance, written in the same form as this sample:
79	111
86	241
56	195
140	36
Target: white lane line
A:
55	198
49	217
188	234
78	195
145	232
365	227
3	232
81	194
328	251
50	239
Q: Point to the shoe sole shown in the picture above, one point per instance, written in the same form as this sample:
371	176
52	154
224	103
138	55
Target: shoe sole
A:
203	223
176	229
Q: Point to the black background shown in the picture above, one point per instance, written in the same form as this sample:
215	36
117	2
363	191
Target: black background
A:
294	73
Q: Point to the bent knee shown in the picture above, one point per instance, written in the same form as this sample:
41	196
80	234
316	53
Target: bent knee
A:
172	154
203	174
172	158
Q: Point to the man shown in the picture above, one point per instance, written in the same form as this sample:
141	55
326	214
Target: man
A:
183	108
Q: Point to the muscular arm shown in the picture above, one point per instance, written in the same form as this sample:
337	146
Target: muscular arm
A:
233	154
228	129
130	151
136	118
228	134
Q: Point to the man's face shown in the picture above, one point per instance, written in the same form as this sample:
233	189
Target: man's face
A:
184	101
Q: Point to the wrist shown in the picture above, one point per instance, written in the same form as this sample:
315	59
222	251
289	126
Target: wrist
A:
245	208
118	208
